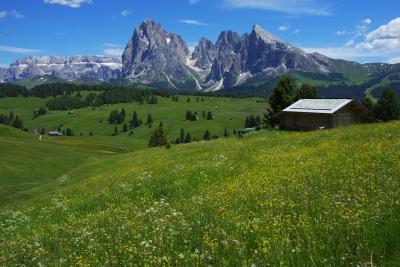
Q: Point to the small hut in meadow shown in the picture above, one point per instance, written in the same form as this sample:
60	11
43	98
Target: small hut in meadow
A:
312	114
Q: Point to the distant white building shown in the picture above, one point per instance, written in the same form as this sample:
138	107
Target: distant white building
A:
54	133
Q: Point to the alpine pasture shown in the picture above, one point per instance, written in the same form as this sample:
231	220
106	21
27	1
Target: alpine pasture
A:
327	198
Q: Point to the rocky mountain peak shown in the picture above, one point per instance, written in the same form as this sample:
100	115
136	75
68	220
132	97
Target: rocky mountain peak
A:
268	37
153	54
228	38
204	54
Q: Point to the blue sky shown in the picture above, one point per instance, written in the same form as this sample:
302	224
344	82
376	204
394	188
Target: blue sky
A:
365	31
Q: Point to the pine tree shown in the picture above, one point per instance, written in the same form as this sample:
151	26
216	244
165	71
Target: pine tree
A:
207	135
188	115
182	136
152	100
188	100
188	138
10	117
209	115
17	123
203	114
258	122
283	95
226	134
158	137
149	119
69	132
368	104
307	92
387	108
125	128
135	120
115	130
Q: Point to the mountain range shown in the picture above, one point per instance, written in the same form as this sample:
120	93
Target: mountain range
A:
251	62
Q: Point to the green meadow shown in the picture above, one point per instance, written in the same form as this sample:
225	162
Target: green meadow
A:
327	198
229	113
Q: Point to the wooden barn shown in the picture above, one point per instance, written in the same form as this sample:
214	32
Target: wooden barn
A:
312	114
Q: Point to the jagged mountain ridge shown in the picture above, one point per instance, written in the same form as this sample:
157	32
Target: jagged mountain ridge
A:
234	59
247	62
67	68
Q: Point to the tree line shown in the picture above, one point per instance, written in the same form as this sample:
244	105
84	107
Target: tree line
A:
194	116
158	137
387	107
12	120
59	89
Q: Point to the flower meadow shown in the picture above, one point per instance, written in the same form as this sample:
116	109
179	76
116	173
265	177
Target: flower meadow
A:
328	198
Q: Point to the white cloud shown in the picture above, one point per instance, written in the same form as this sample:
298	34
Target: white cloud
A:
111	45
366	22
349	43
296	31
113	51
349	53
194	1
18	50
193	22
388	31
68	3
385	39
383	42
309	7
394	60
16	14
13	13
125	13
283	28
362	28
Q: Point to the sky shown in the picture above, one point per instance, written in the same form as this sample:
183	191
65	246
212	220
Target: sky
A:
359	30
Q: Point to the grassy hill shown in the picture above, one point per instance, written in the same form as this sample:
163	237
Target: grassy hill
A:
229	113
328	198
29	166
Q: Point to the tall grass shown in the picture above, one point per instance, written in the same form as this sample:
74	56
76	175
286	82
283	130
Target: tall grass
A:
327	198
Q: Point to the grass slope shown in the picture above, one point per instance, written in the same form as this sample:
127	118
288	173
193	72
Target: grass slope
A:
328	198
29	166
229	113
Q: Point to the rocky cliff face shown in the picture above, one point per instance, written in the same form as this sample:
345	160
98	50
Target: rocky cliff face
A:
154	55
157	57
259	53
204	54
4	75
67	68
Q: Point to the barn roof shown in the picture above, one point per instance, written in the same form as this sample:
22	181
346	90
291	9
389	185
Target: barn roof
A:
325	106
